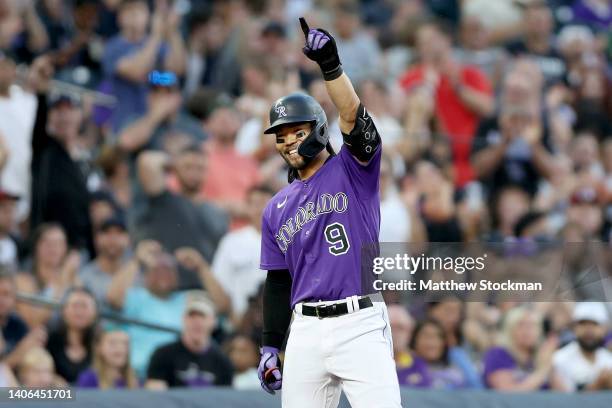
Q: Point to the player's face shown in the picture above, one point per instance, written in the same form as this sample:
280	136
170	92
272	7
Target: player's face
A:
288	139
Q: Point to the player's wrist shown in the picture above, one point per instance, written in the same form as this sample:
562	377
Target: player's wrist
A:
333	72
269	349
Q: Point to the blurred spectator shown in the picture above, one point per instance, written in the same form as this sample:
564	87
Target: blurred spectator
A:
238	271
194	360
537	40
53	270
229	174
179	219
429	343
37	370
133	53
509	205
161	125
158	301
244	356
476	48
112	244
513	148
502	17
436	203
16	134
360	53
22	31
7	378
399	218
411	370
58	182
111	363
8	243
102	206
15	338
79	45
213	53
521	362
462	94
449	312
71	343
584	210
113	162
585	364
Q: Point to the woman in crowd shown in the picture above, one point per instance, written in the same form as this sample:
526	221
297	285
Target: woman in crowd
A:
429	343
71	343
522	362
37	370
54	269
111	363
244	354
449	312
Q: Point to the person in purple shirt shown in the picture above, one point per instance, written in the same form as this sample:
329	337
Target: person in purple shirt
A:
521	362
313	234
132	54
111	364
429	343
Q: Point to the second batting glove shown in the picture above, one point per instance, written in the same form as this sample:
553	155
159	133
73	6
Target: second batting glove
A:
269	371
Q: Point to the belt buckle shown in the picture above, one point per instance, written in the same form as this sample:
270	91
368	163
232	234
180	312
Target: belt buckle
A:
317	311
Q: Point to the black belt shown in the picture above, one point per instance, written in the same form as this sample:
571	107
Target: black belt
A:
333	310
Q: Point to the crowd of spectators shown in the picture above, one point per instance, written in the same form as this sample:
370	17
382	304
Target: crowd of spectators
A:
134	171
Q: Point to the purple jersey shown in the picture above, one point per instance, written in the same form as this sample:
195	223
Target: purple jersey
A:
316	228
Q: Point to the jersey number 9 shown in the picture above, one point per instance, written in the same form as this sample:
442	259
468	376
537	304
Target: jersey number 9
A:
335	235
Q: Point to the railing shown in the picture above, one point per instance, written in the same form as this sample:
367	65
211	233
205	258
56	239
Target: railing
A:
103	314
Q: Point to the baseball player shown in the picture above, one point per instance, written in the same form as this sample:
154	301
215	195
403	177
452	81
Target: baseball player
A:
312	234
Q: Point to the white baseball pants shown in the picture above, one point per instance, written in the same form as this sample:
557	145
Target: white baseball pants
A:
353	353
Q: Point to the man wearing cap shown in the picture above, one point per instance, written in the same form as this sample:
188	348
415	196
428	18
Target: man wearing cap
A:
585	364
112	241
194	360
162	122
59	185
158	300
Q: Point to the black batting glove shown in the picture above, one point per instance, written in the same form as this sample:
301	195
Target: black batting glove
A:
321	48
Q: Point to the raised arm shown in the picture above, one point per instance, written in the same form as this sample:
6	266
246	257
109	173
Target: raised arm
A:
136	66
321	48
358	130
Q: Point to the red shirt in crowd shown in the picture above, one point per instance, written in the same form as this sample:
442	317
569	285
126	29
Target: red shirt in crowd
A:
456	119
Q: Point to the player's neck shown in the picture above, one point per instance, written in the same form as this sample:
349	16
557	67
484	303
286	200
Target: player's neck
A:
313	166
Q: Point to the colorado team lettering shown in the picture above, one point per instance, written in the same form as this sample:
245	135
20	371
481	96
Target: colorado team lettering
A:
326	203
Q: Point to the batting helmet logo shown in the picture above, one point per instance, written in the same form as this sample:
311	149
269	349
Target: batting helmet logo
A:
281	111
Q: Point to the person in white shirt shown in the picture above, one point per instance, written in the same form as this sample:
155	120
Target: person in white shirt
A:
585	364
16	135
236	262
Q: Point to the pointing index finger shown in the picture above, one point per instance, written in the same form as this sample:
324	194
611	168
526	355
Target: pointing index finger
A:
304	25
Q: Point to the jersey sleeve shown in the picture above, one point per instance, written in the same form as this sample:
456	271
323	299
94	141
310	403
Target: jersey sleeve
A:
271	256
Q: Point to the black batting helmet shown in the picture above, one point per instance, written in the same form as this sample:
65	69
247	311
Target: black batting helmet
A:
301	108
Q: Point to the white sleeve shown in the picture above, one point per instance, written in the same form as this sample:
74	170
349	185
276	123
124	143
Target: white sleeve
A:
222	266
